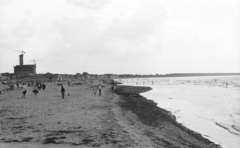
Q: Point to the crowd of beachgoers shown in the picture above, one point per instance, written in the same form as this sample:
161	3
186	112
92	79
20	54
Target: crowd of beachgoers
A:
36	86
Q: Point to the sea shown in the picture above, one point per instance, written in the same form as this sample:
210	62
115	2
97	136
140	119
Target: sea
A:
209	105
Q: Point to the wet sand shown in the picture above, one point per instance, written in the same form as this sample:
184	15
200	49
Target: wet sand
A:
120	119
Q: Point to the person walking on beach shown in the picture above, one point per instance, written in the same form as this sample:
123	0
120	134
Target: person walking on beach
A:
24	93
62	91
100	89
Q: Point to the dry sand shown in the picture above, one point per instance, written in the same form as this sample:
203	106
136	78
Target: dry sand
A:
124	119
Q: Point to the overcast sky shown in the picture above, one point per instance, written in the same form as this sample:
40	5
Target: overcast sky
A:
121	36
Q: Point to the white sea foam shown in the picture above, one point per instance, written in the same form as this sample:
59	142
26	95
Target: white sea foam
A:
207	105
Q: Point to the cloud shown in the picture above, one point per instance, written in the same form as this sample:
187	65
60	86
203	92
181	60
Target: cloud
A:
132	28
6	42
87	35
77	35
18	37
139	25
24	29
4	2
92	4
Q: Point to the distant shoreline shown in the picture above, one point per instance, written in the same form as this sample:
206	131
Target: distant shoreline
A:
179	75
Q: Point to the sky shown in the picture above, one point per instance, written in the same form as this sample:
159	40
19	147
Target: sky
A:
121	36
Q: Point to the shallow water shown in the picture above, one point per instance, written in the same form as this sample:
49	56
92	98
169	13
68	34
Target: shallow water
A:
207	105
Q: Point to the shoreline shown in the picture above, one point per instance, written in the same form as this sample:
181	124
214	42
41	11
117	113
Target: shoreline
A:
151	115
119	119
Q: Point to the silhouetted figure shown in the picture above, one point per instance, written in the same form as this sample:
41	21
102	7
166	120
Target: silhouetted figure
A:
62	91
24	93
100	89
43	86
35	92
226	84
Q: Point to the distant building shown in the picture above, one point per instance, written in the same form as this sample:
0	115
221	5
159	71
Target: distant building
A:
7	76
25	69
22	69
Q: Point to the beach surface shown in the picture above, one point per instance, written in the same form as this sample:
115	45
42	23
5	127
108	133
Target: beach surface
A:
81	119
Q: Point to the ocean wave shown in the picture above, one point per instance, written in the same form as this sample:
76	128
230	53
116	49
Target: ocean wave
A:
233	129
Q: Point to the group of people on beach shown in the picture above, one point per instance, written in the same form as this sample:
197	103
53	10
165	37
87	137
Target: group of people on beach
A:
100	88
95	88
38	86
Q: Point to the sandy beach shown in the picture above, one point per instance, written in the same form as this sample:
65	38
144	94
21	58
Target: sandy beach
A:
120	119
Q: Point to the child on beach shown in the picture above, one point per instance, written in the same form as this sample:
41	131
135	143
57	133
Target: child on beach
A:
62	91
99	88
35	92
43	86
24	93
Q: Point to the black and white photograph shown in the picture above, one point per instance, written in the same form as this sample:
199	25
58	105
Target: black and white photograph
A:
119	73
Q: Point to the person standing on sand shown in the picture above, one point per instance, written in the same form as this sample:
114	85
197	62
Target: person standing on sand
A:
100	89
62	91
43	86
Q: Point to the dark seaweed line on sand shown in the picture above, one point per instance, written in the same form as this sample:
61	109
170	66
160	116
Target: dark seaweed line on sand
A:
150	114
